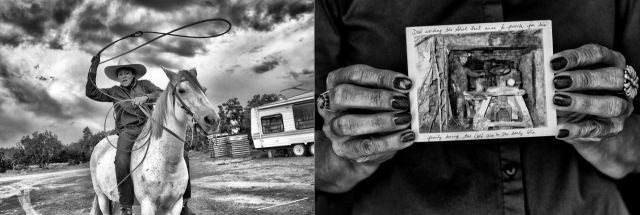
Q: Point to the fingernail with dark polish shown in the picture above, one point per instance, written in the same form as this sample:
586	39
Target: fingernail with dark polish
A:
409	136
400	102
558	63
561	100
563	133
562	82
402	83
402	118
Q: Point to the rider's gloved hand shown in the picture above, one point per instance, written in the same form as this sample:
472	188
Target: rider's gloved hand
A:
139	100
95	61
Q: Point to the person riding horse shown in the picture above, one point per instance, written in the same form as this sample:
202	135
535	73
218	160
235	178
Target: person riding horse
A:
129	120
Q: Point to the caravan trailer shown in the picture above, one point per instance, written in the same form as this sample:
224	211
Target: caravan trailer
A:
285	124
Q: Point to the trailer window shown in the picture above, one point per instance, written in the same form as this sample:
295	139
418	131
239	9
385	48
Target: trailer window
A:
303	114
272	124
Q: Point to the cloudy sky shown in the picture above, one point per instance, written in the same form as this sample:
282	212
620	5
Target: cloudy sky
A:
46	47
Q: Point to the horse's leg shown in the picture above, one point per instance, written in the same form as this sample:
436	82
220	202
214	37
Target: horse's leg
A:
95	207
104	203
177	207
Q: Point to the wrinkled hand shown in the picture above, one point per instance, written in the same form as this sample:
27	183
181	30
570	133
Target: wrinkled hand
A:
366	125
592	109
139	100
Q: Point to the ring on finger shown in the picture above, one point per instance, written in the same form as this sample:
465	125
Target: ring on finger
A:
323	101
630	82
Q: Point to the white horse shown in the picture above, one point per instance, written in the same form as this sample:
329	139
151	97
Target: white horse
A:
161	178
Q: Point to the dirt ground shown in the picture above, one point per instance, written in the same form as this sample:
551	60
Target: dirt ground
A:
281	185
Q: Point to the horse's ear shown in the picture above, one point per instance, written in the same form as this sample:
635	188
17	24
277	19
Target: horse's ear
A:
193	71
170	74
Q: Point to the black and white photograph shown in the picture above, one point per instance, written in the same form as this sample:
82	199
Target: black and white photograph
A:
481	81
477	107
156	107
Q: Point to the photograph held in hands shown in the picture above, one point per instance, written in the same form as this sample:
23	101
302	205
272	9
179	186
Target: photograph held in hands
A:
481	81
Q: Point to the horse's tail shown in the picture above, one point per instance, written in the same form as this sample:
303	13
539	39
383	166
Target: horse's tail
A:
95	207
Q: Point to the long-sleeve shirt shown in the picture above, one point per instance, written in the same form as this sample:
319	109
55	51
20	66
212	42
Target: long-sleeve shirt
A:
540	175
127	114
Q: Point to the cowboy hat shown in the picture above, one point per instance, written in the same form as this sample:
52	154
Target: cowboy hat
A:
112	71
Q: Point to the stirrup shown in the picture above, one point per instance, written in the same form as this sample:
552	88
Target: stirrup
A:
126	210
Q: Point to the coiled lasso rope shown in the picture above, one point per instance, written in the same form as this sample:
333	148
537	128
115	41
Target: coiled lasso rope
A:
143	107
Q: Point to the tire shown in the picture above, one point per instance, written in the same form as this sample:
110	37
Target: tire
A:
311	149
299	150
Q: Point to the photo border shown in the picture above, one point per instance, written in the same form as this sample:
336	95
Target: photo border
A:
547	49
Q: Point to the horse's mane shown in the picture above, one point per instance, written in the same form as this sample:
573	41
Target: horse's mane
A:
159	113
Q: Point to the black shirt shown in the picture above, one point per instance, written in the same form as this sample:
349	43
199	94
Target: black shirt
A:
513	176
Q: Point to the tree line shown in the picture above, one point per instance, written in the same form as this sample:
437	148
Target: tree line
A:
44	148
237	119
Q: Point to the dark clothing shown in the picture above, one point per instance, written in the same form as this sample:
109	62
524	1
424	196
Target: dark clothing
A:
129	122
127	114
512	176
187	192
126	140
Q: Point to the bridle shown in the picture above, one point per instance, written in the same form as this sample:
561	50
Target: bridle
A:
184	106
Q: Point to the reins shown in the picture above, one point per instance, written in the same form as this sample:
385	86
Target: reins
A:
143	107
146	112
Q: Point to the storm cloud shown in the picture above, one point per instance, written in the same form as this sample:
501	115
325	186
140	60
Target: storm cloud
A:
163	5
34	18
303	75
26	93
45	48
96	27
261	15
265	66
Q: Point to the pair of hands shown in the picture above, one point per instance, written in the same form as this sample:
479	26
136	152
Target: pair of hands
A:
368	120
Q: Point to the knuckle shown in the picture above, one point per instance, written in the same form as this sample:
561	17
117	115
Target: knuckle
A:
614	75
343	125
618	56
615	107
376	97
366	147
380	121
581	104
339	149
591	129
359	68
617	127
357	72
339	95
363	159
594	48
331	78
592	52
591	46
582	79
386	79
601	51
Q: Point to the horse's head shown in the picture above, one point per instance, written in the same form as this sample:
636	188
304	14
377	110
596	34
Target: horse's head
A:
188	94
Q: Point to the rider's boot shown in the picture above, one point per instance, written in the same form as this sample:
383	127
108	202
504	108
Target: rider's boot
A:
126	210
